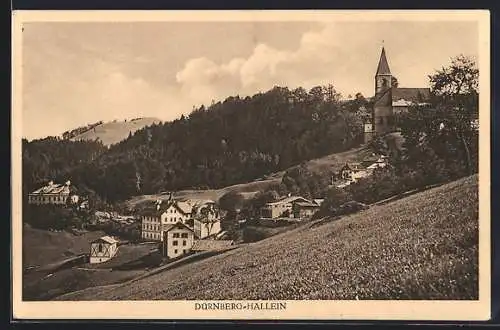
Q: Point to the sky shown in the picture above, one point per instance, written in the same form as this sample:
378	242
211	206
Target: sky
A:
76	73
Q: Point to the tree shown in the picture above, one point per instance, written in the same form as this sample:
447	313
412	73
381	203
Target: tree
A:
231	201
440	142
394	82
456	90
335	197
460	78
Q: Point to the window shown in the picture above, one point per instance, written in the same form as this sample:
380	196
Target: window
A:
183	243
175	243
100	247
183	251
176	235
175	251
184	235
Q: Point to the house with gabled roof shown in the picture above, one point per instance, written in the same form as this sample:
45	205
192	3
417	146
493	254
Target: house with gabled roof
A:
353	171
177	240
54	193
103	249
155	217
304	210
282	208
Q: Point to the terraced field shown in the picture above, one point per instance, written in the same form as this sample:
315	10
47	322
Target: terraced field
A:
424	246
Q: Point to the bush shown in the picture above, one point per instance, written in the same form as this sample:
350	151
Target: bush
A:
334	199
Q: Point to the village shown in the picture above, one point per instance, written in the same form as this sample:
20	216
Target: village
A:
182	227
78	236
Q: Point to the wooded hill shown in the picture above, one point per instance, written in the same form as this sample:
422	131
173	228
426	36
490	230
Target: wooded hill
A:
234	141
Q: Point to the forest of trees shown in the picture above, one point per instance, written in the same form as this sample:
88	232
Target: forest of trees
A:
242	139
53	158
234	141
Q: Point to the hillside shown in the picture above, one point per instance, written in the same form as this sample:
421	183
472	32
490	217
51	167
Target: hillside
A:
113	132
229	142
331	162
424	246
41	247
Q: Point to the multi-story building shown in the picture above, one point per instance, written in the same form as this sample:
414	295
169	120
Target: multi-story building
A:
153	221
177	240
52	193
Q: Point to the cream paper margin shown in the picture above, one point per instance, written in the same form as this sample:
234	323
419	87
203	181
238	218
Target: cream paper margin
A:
296	309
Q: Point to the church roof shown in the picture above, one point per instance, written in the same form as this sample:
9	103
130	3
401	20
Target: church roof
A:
411	94
383	66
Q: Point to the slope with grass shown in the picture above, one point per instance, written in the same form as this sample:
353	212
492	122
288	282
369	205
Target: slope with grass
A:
113	132
41	247
424	246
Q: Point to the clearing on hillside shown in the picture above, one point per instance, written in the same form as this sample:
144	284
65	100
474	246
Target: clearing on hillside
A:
331	162
424	246
114	132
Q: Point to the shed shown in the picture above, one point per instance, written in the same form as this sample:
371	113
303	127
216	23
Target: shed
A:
103	249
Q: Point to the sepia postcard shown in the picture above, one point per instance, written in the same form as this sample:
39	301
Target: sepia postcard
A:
269	165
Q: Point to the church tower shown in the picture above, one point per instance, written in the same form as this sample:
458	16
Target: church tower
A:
383	120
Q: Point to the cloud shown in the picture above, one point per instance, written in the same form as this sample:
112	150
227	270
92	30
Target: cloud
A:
72	78
345	54
265	67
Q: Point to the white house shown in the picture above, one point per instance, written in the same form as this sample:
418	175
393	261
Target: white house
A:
177	240
381	162
170	213
103	249
54	193
281	208
206	221
353	171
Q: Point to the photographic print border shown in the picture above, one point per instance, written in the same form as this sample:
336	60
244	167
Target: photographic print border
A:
304	310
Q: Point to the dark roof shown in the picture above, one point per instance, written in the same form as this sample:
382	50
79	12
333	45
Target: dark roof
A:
106	239
167	228
353	167
383	66
411	94
183	207
307	204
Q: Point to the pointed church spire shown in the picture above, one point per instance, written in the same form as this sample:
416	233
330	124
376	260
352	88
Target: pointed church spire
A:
383	66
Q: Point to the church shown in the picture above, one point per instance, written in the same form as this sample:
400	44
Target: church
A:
389	100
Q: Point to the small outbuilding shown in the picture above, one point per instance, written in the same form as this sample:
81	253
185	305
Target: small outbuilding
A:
103	249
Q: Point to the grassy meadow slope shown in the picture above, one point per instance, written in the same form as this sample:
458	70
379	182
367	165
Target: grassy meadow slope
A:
424	246
114	132
41	247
